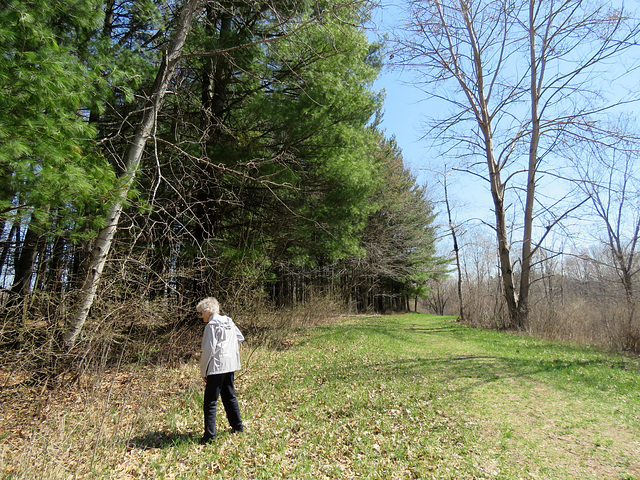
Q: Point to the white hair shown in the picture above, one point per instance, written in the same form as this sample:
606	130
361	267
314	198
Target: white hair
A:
209	304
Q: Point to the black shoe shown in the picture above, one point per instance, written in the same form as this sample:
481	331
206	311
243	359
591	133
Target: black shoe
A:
205	440
237	430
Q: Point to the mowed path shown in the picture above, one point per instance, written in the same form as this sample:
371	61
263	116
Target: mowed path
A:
418	396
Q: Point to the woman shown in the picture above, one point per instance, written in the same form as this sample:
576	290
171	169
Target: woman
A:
220	359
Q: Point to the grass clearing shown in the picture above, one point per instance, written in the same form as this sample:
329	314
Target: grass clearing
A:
402	397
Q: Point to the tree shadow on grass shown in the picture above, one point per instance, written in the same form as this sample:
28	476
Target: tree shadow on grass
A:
397	330
568	367
480	370
161	439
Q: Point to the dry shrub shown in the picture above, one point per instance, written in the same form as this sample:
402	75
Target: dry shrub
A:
30	340
82	430
561	322
129	331
156	332
597	321
266	325
484	304
600	317
115	333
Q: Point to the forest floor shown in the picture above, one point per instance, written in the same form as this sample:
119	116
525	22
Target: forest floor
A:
391	397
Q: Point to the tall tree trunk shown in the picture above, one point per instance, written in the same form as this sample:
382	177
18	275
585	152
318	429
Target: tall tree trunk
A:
6	248
456	250
52	279
23	269
105	237
484	119
527	251
502	232
216	75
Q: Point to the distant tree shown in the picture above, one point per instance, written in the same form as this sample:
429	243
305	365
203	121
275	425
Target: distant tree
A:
398	241
456	249
611	179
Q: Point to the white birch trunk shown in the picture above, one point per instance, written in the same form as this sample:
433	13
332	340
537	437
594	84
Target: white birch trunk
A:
102	244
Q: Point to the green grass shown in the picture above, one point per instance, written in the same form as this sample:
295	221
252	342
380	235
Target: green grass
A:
410	396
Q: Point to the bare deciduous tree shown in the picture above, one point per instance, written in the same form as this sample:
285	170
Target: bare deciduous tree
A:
524	83
611	180
456	248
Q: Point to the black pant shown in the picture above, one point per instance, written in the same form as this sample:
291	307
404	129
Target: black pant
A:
220	385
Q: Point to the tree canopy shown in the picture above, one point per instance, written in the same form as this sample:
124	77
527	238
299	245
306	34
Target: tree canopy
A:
262	172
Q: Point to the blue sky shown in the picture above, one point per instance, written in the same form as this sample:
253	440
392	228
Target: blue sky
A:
402	110
406	110
403	116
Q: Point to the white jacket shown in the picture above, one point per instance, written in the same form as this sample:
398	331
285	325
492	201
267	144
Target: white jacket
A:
220	352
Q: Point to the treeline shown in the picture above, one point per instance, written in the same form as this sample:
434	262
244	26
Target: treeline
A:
265	177
580	298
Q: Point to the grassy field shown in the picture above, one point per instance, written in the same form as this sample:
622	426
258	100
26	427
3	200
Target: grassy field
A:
402	397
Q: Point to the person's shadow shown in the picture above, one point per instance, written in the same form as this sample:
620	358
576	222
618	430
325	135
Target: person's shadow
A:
160	439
